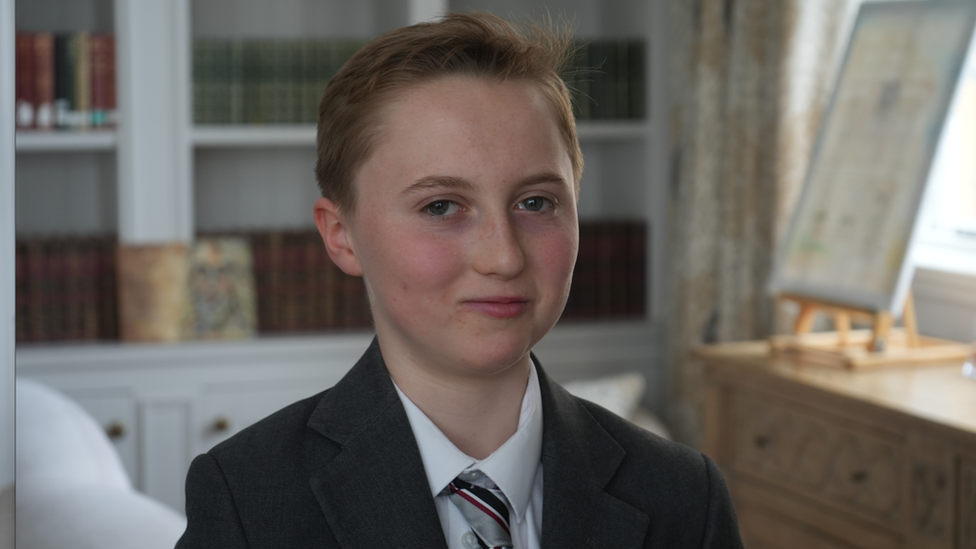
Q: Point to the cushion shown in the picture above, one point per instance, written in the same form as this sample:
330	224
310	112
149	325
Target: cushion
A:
58	443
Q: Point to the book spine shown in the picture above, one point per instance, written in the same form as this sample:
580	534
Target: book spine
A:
24	80
307	82
588	269
88	286
64	80
637	269
233	82
636	81
107	288
83	77
621	51
100	63
56	309
72	290
44	80
604	270
200	78
111	92
259	250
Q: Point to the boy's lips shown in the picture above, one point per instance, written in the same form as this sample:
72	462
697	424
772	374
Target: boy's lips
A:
498	306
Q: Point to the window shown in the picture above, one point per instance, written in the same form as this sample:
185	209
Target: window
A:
947	240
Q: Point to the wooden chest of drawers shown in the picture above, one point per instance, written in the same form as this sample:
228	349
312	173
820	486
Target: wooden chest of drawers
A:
821	457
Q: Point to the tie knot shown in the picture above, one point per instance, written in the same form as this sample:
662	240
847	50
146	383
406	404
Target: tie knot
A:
485	510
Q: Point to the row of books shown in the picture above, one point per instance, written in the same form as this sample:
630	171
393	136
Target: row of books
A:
65	80
264	81
67	288
300	289
607	82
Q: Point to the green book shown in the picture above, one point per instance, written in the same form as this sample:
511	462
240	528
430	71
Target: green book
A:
636	80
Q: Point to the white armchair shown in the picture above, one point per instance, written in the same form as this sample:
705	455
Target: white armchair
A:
72	490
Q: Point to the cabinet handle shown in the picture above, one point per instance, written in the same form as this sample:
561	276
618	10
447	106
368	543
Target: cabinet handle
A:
115	430
221	424
762	441
859	476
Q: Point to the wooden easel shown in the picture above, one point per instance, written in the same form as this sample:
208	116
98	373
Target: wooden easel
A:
882	345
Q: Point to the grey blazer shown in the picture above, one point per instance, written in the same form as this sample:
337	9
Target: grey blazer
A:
342	469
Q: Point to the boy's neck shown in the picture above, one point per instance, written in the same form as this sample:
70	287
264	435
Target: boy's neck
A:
477	414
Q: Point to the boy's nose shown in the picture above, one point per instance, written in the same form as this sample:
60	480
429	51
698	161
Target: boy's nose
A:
497	250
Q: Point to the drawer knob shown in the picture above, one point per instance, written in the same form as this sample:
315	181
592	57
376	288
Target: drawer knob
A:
115	430
859	476
762	441
221	424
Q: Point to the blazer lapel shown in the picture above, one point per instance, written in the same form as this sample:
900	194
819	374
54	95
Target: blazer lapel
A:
367	473
578	460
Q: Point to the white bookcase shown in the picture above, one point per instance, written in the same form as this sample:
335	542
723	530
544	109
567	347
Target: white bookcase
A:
159	178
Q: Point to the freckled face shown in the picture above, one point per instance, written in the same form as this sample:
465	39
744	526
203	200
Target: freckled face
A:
466	226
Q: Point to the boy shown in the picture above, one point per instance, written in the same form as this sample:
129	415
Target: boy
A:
449	164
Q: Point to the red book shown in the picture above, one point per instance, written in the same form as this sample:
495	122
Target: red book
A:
107	288
35	270
289	272
100	62
25	80
637	269
619	233
88	288
44	80
259	252
59	312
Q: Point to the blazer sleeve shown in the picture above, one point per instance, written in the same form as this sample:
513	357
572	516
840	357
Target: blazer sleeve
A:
212	519
721	526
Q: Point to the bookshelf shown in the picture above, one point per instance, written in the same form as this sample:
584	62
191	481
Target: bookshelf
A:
159	177
55	142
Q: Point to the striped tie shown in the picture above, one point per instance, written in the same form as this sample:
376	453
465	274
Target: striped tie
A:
485	511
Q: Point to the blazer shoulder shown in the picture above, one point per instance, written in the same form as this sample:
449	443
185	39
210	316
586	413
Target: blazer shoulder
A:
644	445
280	433
680	488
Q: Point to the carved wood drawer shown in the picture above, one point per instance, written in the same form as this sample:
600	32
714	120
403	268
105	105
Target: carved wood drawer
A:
967	504
818	456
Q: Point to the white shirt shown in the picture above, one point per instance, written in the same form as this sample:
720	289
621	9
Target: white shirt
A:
515	468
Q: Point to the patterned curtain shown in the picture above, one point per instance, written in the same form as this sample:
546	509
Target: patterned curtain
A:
749	81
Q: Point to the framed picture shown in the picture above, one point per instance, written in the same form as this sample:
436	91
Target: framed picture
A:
849	240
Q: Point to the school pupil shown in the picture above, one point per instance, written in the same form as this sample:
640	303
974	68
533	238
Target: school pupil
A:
449	167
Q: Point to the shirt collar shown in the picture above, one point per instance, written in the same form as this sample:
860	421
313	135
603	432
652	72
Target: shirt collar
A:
512	466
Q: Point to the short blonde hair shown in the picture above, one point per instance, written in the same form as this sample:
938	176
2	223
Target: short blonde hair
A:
478	44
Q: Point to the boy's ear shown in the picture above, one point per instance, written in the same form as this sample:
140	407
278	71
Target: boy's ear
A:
335	233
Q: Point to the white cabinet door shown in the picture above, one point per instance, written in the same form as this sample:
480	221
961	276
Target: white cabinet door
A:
115	411
226	408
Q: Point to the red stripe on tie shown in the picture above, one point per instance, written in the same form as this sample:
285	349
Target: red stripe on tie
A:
485	508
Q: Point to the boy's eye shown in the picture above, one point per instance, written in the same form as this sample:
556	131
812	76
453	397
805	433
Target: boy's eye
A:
535	204
441	207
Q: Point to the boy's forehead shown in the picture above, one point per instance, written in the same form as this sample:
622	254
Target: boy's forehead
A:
432	95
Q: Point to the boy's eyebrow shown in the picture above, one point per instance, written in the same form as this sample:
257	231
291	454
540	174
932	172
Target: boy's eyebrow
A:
451	182
438	182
